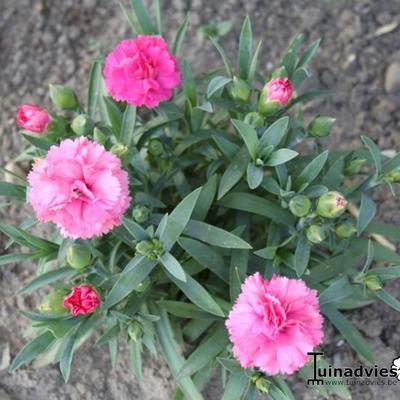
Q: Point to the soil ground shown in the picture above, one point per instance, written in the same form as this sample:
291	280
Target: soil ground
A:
44	42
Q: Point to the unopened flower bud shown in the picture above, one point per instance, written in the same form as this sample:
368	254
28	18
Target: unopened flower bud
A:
135	331
263	385
316	233
372	282
119	149
53	303
254	119
331	205
63	97
240	89
275	94
78	256
354	166
140	213
99	136
300	205
393	176
82	125
150	249
320	126
345	229
156	148
33	118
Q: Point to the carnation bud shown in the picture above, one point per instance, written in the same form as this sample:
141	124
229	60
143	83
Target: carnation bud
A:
254	119
354	166
53	303
240	89
156	148
135	331
372	282
393	176
262	384
63	97
345	229
316	233
82	125
274	96
78	256
33	118
119	149
99	136
320	126
150	249
300	205
140	213
331	205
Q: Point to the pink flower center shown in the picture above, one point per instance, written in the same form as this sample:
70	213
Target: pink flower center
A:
82	192
274	318
140	67
340	202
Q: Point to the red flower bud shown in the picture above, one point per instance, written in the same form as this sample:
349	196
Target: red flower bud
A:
82	299
33	118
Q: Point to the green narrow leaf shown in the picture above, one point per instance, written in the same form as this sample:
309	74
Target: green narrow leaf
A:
308	96
198	295
234	172
254	62
17	257
143	17
302	255
333	177
96	88
173	266
281	156
13	190
215	236
367	213
338	290
137	232
255	175
189	84
245	49
33	349
312	170
249	136
275	133
47	278
185	310
178	219
308	54
128	125
114	115
136	358
237	271
224	57
205	352
206	198
157	12
180	36
389	299
216	84
349	332
375	153
110	334
236	387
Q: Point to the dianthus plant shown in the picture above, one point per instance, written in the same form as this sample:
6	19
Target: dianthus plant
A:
185	216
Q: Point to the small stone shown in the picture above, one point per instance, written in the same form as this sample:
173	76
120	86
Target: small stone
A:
5	357
4	395
392	78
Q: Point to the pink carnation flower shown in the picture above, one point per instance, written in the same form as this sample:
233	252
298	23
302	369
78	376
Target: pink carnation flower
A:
279	89
33	118
141	71
274	323
80	187
82	299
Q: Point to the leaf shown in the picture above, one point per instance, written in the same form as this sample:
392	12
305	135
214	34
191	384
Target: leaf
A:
234	172
230	364
237	385
255	175
185	310
128	125
110	334
386	273
308	54
275	133
173	266
257	205
40	142
47	278
216	84
338	290
142	17
189	84
237	271
312	94
349	332
249	136
206	198
312	170
367	213
302	255
136	358
388	299
333	177
225	60
178	219
114	115
205	352
370	257
96	88
254	62
359	246
198	295
281	156
245	49
170	349
33	349
157	12
180	36
17	257
137	232
13	190
128	280
215	236
375	153
206	256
